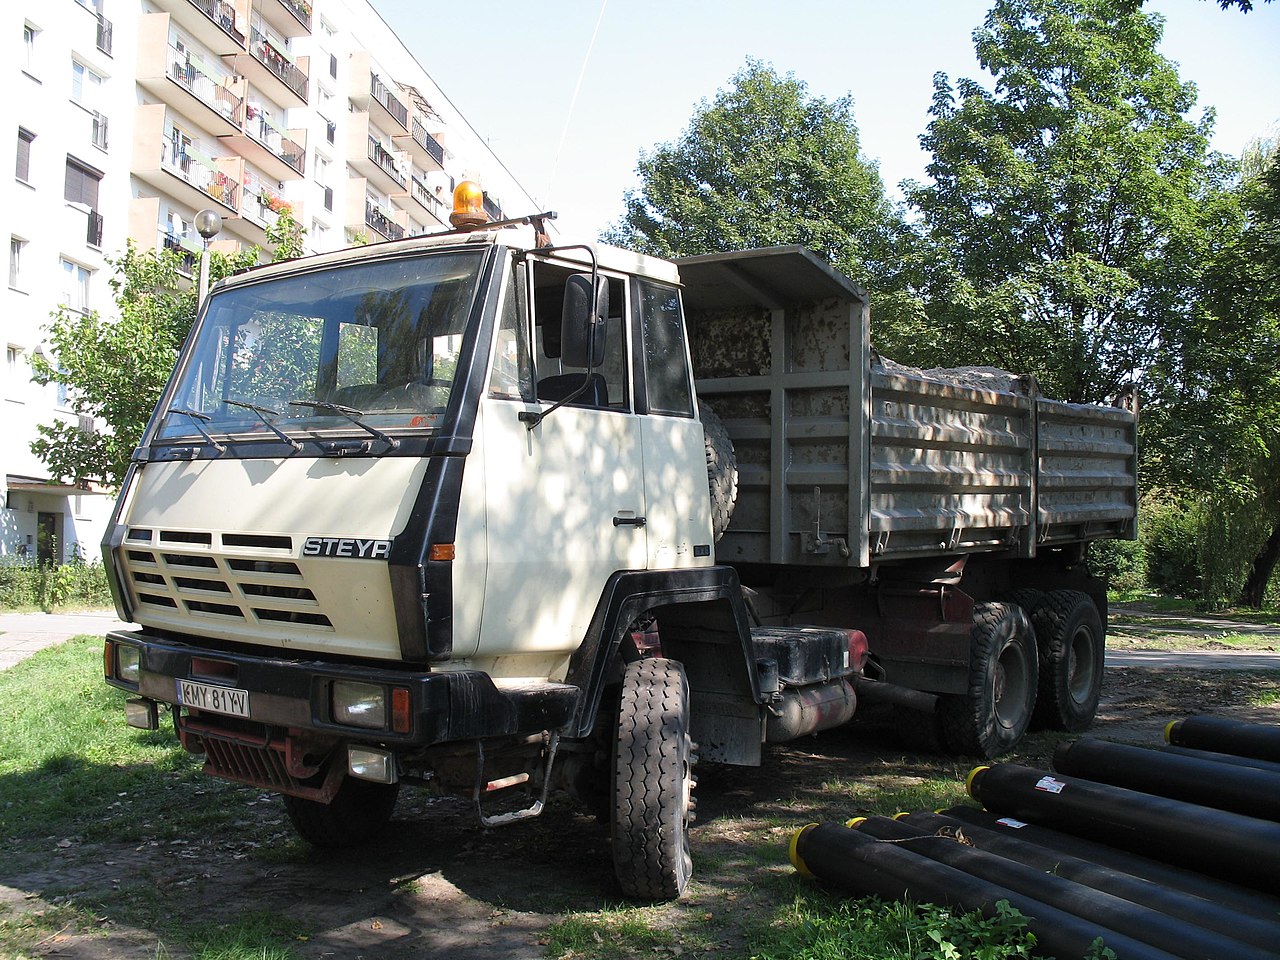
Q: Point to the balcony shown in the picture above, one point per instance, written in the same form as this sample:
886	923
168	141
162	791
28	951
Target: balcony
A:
425	149
381	223
282	154
269	68
200	87
103	39
369	93
289	18
93	235
393	108
427	200
212	22
181	168
368	155
187	251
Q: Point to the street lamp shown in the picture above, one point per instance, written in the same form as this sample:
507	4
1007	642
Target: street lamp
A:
208	223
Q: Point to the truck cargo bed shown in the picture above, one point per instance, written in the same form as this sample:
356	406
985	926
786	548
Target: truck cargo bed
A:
846	459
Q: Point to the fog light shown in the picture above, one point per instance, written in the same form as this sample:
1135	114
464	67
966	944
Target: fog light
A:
143	714
370	764
128	662
359	704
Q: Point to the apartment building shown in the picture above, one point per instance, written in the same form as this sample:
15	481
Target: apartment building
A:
128	117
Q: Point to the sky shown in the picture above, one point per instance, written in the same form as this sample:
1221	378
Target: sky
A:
568	93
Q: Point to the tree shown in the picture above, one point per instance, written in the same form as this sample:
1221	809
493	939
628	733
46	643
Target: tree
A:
1071	206
763	164
115	369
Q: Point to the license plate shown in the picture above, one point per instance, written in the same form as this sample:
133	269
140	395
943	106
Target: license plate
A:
213	699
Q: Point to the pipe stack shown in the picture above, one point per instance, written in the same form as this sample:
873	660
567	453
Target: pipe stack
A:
1162	853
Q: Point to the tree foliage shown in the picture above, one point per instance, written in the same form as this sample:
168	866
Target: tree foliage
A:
115	368
763	164
1071	205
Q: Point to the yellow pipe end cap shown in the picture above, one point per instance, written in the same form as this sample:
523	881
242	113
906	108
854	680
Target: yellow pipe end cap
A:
793	850
968	781
853	822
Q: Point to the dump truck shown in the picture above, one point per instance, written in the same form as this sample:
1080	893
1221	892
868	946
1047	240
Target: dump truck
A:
515	519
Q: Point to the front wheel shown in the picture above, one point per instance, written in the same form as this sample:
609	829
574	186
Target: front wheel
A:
993	715
1071	640
652	782
359	810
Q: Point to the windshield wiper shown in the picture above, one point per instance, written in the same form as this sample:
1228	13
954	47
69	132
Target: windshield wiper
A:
199	419
352	414
262	415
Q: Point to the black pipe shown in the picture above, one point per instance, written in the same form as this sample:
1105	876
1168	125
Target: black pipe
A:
1131	919
1175	903
1228	758
1229	895
1258	740
865	866
1254	793
1243	849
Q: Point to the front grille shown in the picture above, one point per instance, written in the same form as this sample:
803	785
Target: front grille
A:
223	576
248	753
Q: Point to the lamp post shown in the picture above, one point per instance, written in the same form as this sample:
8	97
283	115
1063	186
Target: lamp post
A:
208	223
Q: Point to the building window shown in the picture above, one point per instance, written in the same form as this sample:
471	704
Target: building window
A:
29	46
23	167
86	85
318	232
328	28
15	262
333	66
13	366
330	130
75	286
82	183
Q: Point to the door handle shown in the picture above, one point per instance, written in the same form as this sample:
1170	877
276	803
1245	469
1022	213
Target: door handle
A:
629	521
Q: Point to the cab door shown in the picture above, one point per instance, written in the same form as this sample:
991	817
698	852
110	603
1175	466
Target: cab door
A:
565	500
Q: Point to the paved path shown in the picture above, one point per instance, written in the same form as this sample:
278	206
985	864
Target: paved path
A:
22	634
1194	659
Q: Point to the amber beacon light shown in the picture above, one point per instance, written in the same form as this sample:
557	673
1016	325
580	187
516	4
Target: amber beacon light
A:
468	205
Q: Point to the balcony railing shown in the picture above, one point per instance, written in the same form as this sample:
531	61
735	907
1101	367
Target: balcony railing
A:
104	35
383	158
428	142
301	11
382	223
188	75
99	130
378	90
426	197
200	171
255	124
223	14
186	257
93	236
271	58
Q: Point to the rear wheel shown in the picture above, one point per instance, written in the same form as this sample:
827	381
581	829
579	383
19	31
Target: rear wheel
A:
1071	641
993	715
360	810
653	781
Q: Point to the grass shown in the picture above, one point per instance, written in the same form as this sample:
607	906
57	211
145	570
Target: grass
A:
73	775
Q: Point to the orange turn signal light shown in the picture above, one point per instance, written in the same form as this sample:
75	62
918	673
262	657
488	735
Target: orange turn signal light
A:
401	713
440	551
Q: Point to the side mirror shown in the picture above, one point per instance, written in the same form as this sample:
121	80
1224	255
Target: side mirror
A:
582	327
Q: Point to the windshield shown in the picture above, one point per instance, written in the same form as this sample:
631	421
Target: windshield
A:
379	340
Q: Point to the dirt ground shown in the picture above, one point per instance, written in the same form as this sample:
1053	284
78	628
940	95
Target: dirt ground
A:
439	886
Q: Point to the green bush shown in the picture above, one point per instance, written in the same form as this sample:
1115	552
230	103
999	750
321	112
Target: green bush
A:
48	586
1121	563
1171	533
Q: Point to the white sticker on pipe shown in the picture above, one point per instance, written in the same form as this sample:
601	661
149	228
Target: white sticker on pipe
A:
1050	785
1010	822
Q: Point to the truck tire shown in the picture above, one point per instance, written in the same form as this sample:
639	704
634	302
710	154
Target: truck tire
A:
360	810
722	469
1071	645
652	782
992	717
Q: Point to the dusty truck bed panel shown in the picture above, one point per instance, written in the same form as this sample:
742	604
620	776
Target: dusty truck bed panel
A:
845	460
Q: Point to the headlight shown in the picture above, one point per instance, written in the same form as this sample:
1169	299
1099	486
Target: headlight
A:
128	663
359	704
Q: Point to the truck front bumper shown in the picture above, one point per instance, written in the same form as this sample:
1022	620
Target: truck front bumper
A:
297	695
